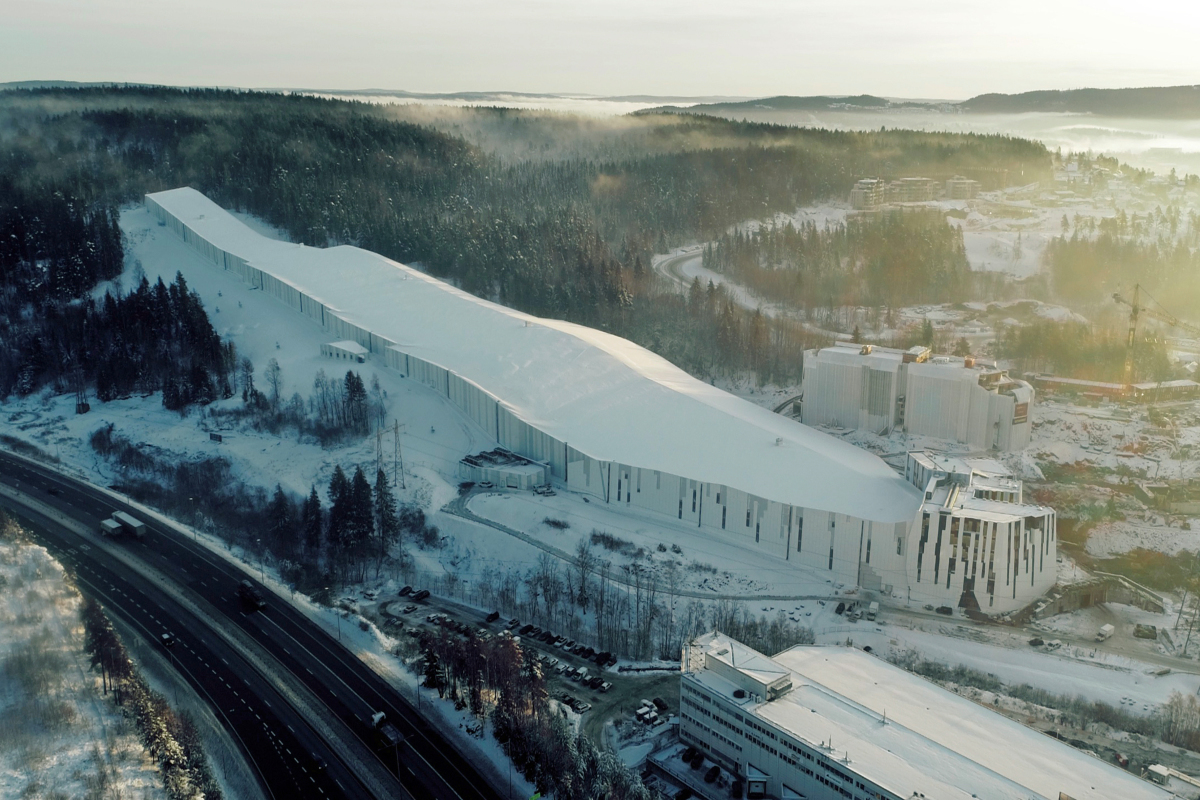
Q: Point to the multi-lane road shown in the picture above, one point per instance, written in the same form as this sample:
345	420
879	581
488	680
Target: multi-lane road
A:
293	756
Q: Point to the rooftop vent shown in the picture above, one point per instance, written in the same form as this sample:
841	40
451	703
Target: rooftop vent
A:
866	350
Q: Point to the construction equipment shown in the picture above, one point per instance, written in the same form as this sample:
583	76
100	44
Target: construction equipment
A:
1135	309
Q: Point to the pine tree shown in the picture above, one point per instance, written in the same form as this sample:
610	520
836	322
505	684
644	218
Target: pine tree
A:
362	516
387	522
339	513
281	523
311	521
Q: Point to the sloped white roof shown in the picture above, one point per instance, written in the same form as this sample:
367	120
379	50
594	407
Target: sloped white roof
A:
599	393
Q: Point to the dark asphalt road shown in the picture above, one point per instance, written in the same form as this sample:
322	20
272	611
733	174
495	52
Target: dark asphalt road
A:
426	764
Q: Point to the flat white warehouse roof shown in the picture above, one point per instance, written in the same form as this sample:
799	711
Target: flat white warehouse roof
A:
601	394
934	741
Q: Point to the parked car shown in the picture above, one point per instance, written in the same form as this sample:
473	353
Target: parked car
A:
421	595
512	623
406	591
560	668
945	611
689	754
492	617
605	686
711	775
525	629
569	644
612	661
408	609
594	682
660	704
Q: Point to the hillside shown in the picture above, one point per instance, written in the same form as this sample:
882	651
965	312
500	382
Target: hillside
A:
1163	102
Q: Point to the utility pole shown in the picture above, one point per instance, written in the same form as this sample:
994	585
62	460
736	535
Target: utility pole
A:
398	458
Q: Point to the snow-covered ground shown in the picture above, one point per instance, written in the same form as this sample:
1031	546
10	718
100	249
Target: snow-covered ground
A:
435	434
699	563
1006	653
59	735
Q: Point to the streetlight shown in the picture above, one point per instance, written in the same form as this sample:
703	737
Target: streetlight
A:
195	535
262	570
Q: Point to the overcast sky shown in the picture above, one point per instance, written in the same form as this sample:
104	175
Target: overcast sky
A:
898	48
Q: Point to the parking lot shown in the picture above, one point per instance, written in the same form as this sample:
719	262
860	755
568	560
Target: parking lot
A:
573	675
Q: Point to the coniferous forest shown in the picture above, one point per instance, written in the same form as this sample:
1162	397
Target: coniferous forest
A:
564	231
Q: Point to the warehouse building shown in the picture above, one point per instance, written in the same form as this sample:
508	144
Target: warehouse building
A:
827	723
882	389
605	417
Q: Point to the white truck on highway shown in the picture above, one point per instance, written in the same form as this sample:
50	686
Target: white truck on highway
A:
122	523
1105	632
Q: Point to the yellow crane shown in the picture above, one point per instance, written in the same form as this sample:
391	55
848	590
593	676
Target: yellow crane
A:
1135	309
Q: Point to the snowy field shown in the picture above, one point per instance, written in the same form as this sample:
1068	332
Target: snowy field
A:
59	735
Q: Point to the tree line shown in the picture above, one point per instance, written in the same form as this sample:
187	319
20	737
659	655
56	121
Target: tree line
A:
171	739
874	260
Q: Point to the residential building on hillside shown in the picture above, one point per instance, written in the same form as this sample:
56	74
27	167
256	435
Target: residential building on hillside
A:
882	389
913	190
834	723
960	188
868	194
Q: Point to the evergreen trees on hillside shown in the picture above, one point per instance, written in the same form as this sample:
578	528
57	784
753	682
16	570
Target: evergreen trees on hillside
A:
569	237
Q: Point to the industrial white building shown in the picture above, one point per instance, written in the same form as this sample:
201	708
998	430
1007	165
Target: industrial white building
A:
882	389
605	417
977	543
827	723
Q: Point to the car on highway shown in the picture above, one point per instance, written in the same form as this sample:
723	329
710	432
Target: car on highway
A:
167	639
250	596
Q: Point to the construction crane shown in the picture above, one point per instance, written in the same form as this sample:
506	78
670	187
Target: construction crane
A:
1136	309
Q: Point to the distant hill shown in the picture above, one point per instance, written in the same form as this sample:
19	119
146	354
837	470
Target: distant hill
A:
1164	102
789	103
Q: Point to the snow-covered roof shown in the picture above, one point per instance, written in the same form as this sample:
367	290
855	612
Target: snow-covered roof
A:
350	346
909	735
599	393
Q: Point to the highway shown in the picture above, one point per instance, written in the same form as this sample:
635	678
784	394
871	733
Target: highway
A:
425	765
